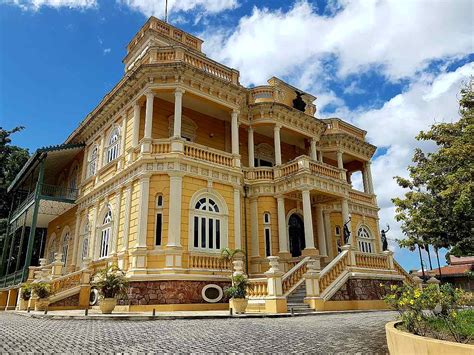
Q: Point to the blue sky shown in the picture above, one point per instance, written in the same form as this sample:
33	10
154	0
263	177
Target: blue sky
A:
390	67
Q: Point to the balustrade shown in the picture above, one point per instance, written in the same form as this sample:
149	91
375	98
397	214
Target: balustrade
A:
333	270
208	262
160	147
359	196
371	261
294	275
199	152
257	288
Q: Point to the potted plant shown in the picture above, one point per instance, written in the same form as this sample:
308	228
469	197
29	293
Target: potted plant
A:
25	296
111	283
43	291
237	293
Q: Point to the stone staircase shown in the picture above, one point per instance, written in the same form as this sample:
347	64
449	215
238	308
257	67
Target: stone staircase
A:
295	300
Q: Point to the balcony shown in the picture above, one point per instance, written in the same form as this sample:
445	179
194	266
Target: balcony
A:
336	125
269	93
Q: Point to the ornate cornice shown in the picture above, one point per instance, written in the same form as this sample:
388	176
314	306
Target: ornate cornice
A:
347	143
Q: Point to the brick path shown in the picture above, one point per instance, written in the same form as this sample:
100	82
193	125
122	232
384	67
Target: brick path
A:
336	333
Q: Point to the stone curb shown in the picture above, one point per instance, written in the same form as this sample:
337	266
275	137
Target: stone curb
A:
122	317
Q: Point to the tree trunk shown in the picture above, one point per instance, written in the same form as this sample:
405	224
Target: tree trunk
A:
437	257
427	247
421	262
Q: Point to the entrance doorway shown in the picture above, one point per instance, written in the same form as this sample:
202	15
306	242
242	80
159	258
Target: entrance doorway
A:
296	235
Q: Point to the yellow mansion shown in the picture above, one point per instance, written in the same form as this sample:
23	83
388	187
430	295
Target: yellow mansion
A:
179	161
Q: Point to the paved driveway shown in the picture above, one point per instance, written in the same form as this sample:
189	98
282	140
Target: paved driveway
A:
336	333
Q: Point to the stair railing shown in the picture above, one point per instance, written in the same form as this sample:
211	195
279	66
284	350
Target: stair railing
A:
294	277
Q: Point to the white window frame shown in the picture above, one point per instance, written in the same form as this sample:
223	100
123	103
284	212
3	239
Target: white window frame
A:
365	240
92	161
105	234
85	241
159	212
267	231
204	210
113	148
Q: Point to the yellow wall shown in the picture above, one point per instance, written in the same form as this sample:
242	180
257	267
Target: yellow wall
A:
57	226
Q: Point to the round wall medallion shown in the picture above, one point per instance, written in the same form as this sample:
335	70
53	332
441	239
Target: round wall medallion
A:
94	297
212	293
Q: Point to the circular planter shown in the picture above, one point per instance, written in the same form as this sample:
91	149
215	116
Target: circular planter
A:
41	304
403	343
107	305
239	305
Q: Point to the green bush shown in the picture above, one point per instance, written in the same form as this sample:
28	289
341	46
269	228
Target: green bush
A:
41	289
111	282
26	292
434	312
238	288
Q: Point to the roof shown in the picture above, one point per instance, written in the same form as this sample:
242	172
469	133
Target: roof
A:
36	157
454	260
450	270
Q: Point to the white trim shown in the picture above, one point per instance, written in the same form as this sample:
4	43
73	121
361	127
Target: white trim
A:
215	300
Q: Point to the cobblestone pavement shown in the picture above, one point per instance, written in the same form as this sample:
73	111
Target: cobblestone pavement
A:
336	333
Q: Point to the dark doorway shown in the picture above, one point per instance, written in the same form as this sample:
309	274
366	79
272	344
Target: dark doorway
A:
296	235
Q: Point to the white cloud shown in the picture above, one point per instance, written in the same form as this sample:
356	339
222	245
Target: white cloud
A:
426	101
157	8
399	37
37	4
106	50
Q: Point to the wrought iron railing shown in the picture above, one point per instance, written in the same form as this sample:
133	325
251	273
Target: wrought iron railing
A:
58	192
12	279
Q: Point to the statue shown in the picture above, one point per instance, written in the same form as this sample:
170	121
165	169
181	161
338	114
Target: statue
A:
384	238
347	233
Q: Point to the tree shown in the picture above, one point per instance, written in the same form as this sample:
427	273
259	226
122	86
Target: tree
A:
12	159
438	208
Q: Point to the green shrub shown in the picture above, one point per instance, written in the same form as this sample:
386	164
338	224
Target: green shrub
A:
238	288
111	282
435	312
26	292
41	289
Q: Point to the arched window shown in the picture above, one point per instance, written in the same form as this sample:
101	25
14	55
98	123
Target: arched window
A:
92	161
105	234
264	155
208	225
365	240
65	246
51	248
73	177
159	219
85	241
267	232
188	128
113	149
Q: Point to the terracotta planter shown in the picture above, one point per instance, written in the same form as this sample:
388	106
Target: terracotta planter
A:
41	304
239	305
107	305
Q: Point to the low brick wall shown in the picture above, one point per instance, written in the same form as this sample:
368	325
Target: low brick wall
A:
168	292
363	290
67	302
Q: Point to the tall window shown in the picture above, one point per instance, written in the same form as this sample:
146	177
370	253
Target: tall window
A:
65	247
85	241
113	149
105	234
207	225
365	240
51	248
73	177
92	161
267	234
159	219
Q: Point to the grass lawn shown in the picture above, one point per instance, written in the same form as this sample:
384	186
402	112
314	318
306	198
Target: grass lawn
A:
463	326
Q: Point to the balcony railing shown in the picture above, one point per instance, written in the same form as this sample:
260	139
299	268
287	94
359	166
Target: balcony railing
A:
58	192
268	93
335	125
362	197
201	152
304	163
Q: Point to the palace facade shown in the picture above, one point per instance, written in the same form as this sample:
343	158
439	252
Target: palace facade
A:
179	161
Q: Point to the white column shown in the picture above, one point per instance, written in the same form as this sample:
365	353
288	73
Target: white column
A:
235	132
100	156
321	232
254	226
116	221
149	115
126	222
178	109
237	219
321	157
92	244
75	241
345	217
143	211
282	234
251	148
328	231
365	181
340	162
174	224
313	152
308	220
276	138
136	124
123	134
369	177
